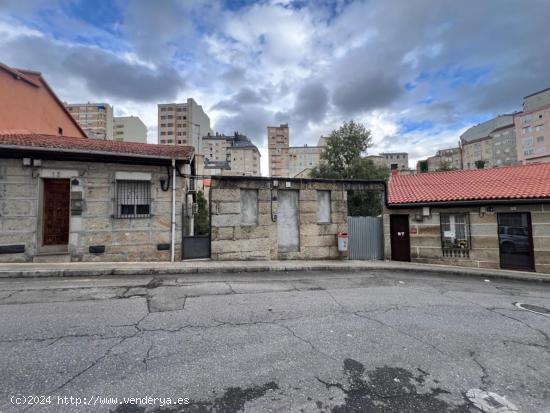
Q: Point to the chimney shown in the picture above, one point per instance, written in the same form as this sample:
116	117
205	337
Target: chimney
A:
394	170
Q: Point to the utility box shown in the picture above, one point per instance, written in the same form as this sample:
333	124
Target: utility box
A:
342	241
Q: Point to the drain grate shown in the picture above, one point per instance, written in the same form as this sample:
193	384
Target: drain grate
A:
533	308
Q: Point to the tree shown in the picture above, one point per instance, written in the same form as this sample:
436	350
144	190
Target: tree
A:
343	159
445	166
201	222
480	164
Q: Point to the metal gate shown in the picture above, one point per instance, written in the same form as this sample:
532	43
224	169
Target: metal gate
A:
366	238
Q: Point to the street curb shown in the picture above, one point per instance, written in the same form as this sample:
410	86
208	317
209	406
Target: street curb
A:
276	268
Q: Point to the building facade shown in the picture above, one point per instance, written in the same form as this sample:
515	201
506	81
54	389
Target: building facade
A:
532	127
27	103
90	200
504	146
450	158
477	143
252	219
277	143
95	118
231	154
400	160
485	218
129	129
182	124
303	158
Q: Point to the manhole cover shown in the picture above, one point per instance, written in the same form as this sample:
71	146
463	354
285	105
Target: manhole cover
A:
533	308
489	402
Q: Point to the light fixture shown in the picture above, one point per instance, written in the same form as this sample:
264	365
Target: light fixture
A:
27	161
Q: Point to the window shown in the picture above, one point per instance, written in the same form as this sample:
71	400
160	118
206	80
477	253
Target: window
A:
455	235
249	207
540	138
323	207
133	199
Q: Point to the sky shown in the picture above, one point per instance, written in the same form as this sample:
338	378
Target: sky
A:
417	73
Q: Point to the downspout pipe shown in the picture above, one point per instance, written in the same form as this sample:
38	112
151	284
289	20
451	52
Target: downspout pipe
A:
173	243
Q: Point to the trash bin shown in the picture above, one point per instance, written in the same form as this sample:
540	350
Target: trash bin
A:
342	241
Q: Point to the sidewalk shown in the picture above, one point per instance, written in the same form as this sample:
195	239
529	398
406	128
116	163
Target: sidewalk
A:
95	269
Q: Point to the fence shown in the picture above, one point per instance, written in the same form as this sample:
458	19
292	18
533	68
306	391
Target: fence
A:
366	238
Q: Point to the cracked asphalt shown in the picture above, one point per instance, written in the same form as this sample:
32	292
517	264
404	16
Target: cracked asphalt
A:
274	342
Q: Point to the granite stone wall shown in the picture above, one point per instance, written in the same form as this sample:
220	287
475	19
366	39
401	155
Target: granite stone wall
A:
233	240
425	236
124	239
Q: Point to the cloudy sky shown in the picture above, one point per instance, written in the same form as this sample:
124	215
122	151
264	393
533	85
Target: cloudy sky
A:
416	72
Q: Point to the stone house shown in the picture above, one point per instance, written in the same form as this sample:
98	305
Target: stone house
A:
488	218
260	218
77	199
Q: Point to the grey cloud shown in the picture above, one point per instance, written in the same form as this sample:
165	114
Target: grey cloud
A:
243	97
103	73
364	93
108	75
252	122
312	102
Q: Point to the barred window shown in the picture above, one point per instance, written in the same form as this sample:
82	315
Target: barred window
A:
133	199
455	234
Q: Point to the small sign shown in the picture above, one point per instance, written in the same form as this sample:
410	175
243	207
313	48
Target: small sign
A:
414	230
449	234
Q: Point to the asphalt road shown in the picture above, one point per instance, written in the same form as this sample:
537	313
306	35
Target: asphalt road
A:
272	342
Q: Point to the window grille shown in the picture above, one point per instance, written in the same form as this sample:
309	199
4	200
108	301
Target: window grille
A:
133	199
455	235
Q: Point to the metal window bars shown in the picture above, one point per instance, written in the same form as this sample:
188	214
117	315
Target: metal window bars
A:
133	199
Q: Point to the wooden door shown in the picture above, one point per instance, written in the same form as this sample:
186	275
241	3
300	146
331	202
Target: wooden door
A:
56	212
400	238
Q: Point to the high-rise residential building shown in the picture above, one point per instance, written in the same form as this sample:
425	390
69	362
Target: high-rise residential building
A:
95	118
532	127
231	154
478	143
182	124
129	129
302	159
399	160
277	144
28	103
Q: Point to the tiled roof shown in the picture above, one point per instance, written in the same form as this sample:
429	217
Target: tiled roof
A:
94	146
512	182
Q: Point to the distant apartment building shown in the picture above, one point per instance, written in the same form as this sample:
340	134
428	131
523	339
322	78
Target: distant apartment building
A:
129	129
478	143
96	119
532	127
182	124
277	144
398	159
302	159
230	155
450	158
378	160
28	103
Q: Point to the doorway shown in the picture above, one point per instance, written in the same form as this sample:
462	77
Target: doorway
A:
56	196
400	238
515	240
288	226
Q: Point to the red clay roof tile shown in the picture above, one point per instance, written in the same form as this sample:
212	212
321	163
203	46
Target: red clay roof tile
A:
513	182
84	145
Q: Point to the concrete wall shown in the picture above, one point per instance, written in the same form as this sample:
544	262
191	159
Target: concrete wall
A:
426	242
124	239
233	240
